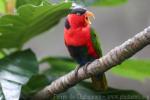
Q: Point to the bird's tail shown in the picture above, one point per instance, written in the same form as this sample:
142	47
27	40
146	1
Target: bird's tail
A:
99	82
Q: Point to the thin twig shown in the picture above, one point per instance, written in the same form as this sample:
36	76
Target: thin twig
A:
112	58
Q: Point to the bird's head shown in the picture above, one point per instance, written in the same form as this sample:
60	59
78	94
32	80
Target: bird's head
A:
79	17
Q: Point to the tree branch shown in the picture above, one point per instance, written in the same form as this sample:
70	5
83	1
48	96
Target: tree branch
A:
112	58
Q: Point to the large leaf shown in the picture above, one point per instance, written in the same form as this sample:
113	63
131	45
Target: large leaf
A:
1	55
99	2
28	22
59	65
2	6
15	71
36	83
83	91
33	2
134	69
108	2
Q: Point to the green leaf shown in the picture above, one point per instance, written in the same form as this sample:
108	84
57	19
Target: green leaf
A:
29	22
109	2
134	69
15	71
99	2
33	2
36	83
1	55
2	6
83	91
59	65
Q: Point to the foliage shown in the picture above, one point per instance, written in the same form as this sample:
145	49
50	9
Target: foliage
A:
36	83
19	73
15	71
18	68
33	2
99	2
84	91
134	69
28	22
58	65
109	2
2	6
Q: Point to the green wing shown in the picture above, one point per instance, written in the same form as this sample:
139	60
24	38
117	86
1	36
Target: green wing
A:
99	81
95	42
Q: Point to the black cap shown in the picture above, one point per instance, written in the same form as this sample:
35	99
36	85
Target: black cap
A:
78	10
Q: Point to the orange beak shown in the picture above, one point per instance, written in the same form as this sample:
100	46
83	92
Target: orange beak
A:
88	14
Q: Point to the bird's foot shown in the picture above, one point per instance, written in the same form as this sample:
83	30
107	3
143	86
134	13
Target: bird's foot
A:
76	71
85	67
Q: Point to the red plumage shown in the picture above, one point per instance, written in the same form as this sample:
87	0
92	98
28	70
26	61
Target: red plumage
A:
82	43
79	36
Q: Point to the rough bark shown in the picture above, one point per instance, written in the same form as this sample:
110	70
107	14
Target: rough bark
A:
111	59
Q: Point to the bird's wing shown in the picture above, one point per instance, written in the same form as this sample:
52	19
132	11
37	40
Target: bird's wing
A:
95	42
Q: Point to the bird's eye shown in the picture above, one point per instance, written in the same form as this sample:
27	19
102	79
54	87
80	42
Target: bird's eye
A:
78	14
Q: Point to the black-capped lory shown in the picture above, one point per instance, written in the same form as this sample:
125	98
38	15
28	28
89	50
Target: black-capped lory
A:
82	42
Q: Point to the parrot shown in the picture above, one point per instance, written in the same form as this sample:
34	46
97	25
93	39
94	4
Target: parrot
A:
82	42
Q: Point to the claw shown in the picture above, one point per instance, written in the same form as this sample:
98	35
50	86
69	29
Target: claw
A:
76	70
85	67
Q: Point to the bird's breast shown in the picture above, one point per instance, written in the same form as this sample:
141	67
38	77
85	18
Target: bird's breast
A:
78	37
